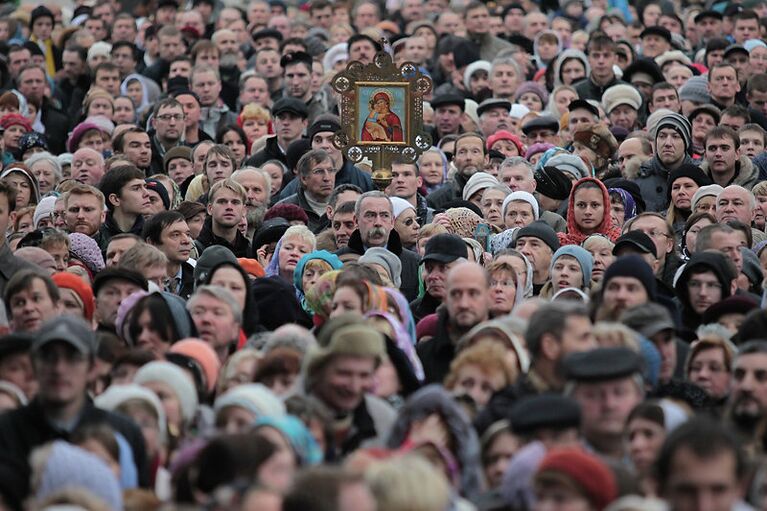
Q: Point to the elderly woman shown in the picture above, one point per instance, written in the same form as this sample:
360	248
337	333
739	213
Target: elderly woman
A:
297	241
46	169
601	250
405	222
21	179
519	209
709	365
432	167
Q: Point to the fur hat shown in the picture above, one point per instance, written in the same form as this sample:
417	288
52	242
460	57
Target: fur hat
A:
598	138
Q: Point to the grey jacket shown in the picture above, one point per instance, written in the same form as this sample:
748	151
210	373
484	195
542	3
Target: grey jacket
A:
746	173
653	182
10	265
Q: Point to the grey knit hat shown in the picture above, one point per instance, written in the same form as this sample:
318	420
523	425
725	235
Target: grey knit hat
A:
569	163
379	255
695	90
680	124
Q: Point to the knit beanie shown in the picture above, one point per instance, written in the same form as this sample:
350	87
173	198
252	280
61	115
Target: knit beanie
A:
117	395
159	188
690	171
44	209
477	182
290	212
632	266
479	65
589	473
14	119
71	281
552	182
584	258
392	263
506	135
705	191
540	230
69	466
678	123
538	148
569	164
696	90
176	152
520	195
534	87
210	258
204	355
399	205
253	397
85	248
175	377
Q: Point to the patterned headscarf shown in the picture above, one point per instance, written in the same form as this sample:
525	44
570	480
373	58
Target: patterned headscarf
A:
463	221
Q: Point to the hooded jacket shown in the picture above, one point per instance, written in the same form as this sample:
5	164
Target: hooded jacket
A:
574	235
568	54
653	182
540	63
250	316
746	173
701	262
35	195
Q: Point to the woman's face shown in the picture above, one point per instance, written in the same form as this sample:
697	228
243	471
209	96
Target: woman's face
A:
135	92
150	428
478	383
346	299
195	224
497	457
170	402
518	214
503	292
11	136
431	169
255	128
589	209
507	147
102	107
492	202
701	124
692	235
567	272
429	37
124	111
407	227
234	419
603	257
531	101
617	211
150	339
572	71
46	176
645	439
519	266
275	172
277	472
231	279
563	99
94	140
23	189
310	276
381	106
708	371
232	140
291	251
757	59
682	190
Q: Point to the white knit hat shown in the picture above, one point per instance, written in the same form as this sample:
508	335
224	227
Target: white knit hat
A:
44	208
479	181
253	397
521	196
116	395
179	381
399	205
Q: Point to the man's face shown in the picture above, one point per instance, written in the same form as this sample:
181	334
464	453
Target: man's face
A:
226	208
124	30
366	16
654	45
735	204
84	213
298	81
704	290
288	126
73	65
133	198
123	57
109	80
343	226
258	13
254	90
87	167
696	483
657	230
728	243
180	68
577	337
470	156
62	372
320	180
176	242
138	149
745	30
723	83
198	157
448	118
467	298
42	28
758	100
721	155
493	120
324	140
116	249
732	121
630	151
751	143
31	307
268	64
709	27
32	85
256	193
622	293
748	398
601	61
504	80
322	17
535	23
580	117
214	321
171	47
207	86
375	221
537	252
477	20
344	382
543	136
97	28
405	181
624	116
605	406
17	60
211	57
169	124
362	50
191	109
669	146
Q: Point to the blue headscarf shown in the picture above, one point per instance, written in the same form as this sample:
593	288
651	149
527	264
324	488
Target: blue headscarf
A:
298	274
629	205
296	433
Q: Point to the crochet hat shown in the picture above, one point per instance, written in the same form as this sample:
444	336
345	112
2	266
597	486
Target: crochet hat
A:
44	209
158	188
253	397
66	280
117	395
705	191
176	378
588	473
621	94
14	119
678	123
540	230
85	249
569	164
584	258
520	195
632	266
696	90
552	182
399	205
463	221
478	182
505	135
392	263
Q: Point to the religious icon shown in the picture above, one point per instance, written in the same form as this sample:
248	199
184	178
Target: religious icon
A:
381	113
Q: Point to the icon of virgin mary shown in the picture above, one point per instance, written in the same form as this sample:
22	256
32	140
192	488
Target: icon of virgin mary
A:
382	125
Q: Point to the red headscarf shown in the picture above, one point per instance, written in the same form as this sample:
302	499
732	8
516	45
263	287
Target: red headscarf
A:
574	235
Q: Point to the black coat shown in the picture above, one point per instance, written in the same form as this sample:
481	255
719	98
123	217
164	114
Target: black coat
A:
449	192
56	123
271	151
207	238
317	223
437	353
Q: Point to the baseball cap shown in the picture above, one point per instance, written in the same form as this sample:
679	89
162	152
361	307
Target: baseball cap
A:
445	248
636	240
69	329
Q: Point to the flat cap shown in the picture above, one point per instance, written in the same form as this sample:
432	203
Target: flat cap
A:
602	364
555	411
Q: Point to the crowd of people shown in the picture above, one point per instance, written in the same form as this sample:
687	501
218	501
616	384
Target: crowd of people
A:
558	306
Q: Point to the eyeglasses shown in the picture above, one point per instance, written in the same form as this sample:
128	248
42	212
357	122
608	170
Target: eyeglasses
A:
171	117
322	172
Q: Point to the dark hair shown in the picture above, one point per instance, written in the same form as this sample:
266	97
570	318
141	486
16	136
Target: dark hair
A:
310	158
190	209
101	433
318	489
720	65
706	439
114	181
744	15
723	132
291	41
159	314
737	111
105	66
125	44
230	459
745	229
344	208
223	130
166	103
551	319
21	281
82	53
600	41
157	223
119	140
757	82
278	362
346	187
10	194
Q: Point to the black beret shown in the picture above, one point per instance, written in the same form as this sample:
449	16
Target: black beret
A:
552	182
554	411
602	364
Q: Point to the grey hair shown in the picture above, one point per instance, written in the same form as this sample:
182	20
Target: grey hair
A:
514	161
219	293
46	157
260	171
505	61
749	194
375	194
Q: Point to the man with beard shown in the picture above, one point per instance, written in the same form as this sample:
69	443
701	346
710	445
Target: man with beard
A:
84	211
628	282
467	304
229	51
258	189
747	404
168	123
31	84
316	173
493	116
